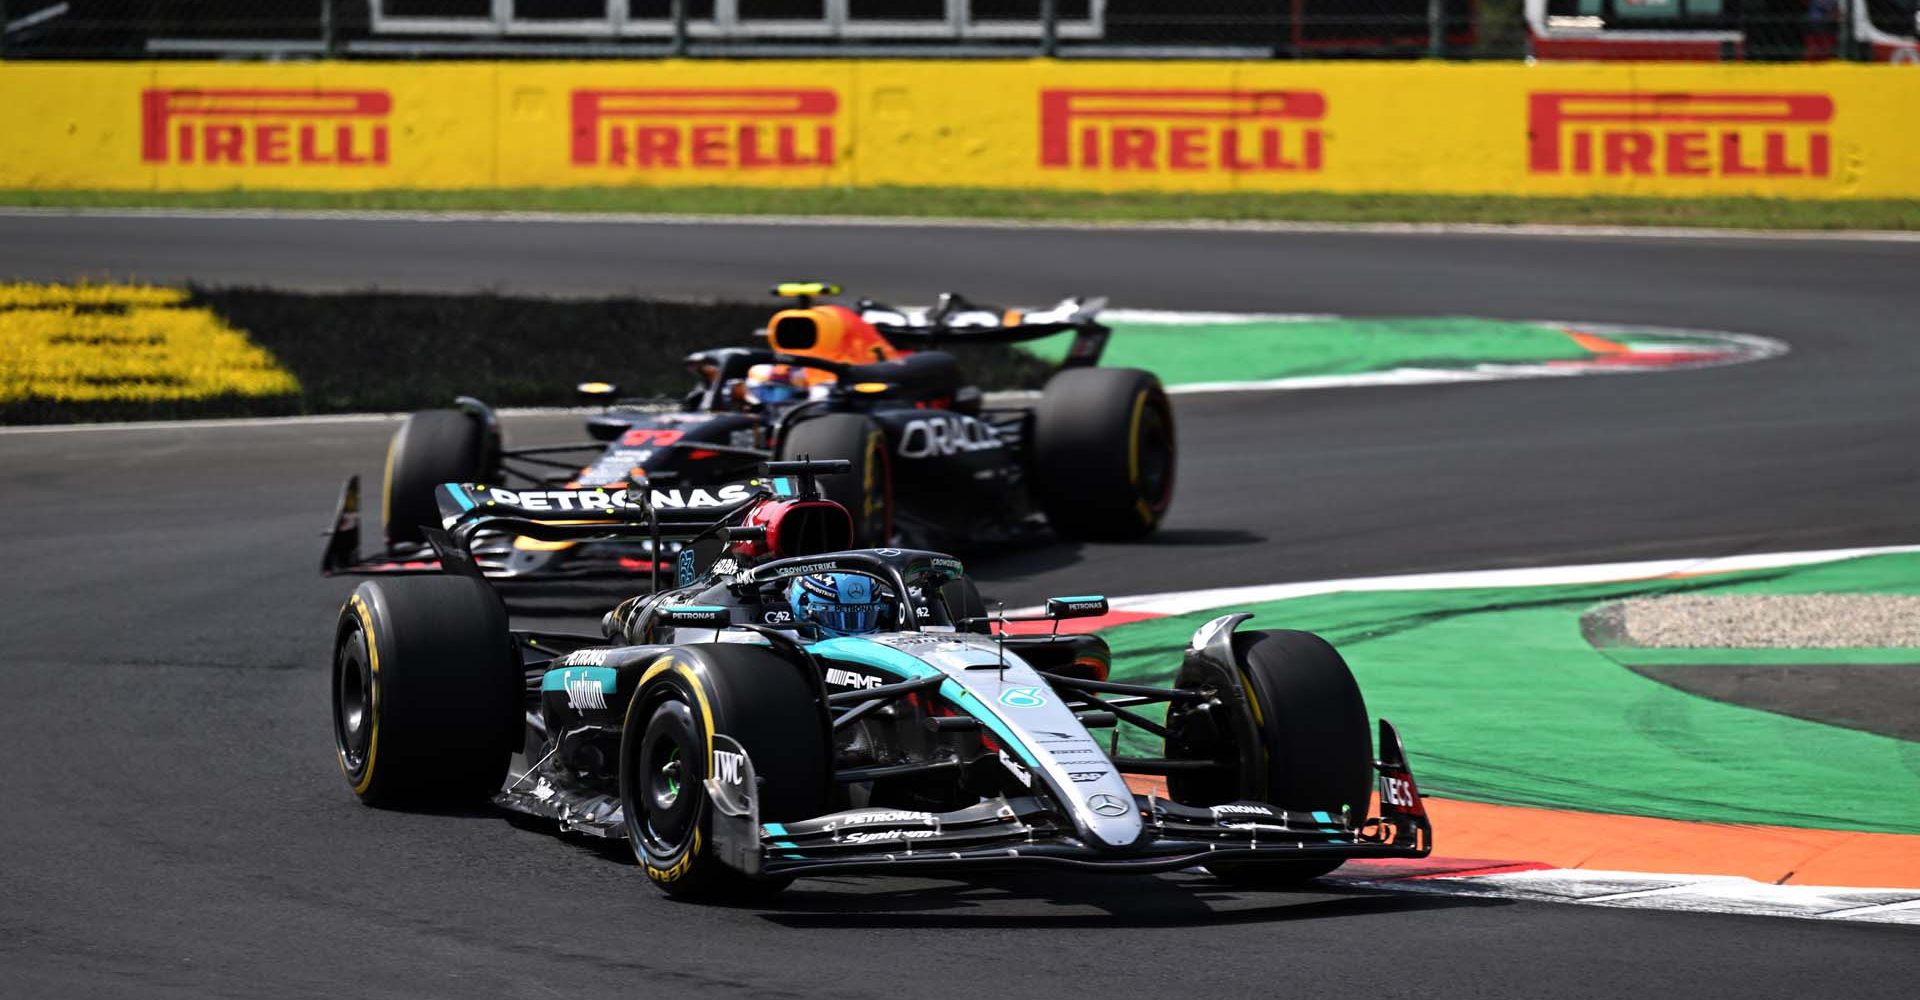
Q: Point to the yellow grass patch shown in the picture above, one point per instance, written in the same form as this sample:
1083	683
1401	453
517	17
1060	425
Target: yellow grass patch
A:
134	343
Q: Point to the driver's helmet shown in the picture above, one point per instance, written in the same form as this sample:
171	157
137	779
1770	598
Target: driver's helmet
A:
841	603
766	384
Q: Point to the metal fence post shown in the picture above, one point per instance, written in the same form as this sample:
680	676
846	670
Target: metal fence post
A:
1843	31
3	29
679	11
328	43
1049	28
1436	29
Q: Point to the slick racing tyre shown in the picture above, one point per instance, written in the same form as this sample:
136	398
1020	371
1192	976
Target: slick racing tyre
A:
867	491
429	697
775	712
1103	453
1314	744
430	448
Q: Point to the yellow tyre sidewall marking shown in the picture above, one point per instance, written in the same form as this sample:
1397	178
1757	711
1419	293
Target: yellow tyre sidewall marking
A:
1133	457
373	697
386	482
661	666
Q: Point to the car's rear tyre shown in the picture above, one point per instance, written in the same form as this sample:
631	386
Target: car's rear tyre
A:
1103	453
431	447
428	692
769	706
867	491
1316	747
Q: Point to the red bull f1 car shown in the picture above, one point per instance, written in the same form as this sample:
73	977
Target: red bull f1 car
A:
798	707
933	465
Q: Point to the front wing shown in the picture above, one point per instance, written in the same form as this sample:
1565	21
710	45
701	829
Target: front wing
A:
1027	831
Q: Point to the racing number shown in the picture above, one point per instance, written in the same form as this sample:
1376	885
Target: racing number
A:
659	437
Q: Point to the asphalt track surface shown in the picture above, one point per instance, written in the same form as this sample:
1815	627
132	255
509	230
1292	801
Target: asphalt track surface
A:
175	825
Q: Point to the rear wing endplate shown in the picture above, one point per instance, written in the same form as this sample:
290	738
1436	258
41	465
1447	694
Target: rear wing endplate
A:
956	321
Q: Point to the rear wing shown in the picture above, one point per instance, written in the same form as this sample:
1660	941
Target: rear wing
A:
684	514
954	320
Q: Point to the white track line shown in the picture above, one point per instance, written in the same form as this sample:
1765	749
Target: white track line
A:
907	222
1683	893
1749	348
1186	602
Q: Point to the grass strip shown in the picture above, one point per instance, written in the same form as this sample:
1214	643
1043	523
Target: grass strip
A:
1084	206
384	351
1502	700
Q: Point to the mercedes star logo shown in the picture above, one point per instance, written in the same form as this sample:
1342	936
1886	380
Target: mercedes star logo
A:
1109	805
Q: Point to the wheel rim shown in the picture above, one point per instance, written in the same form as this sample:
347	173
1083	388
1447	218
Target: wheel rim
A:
353	703
1153	455
668	800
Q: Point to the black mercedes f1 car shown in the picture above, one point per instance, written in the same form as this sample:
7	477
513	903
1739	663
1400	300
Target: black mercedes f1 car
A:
738	744
934	465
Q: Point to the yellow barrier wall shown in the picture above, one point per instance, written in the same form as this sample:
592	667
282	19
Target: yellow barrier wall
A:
1808	131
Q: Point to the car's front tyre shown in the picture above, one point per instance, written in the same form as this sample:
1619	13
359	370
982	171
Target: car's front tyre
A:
686	699
428	692
1314	752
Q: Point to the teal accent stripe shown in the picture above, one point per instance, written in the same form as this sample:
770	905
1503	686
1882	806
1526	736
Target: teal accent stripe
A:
774	829
872	654
1323	819
1083	597
460	496
783	487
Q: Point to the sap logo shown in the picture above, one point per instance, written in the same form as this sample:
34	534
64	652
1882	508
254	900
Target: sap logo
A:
1707	134
946	434
707	128
1184	131
1399	792
1086	777
848	678
334	128
587	658
728	766
583	692
873	836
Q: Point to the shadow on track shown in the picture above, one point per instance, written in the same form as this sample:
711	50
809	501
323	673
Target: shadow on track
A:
1062	900
1035	899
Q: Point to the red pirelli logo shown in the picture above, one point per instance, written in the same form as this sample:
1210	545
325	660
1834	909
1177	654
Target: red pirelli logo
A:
706	129
340	128
1232	131
1680	135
